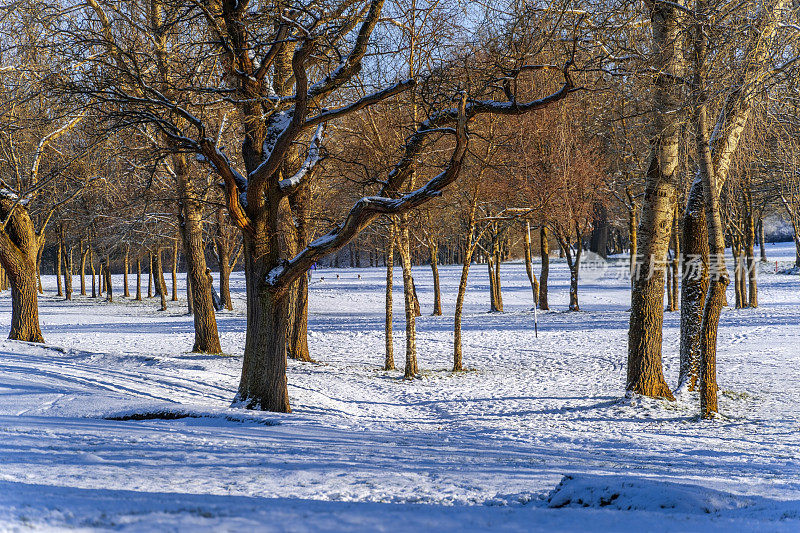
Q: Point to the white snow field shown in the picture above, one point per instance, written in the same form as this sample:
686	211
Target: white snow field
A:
535	437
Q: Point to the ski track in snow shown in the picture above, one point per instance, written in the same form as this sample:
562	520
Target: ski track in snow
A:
366	450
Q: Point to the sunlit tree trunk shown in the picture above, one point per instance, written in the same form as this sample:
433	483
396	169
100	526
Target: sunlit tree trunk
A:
125	269
645	371
545	273
138	278
388	361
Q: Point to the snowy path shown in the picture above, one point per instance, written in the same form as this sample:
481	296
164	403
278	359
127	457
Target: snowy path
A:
365	450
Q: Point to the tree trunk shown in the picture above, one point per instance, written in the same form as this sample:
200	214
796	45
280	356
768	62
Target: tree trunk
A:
676	261
545	273
433	247
225	267
150	276
761	242
109	286
59	255
91	265
718	274
206	335
19	251
162	289
458	357
529	264
175	270
138	278
189	299
388	362
126	265
24	302
493	305
84	253
38	269
411	369
694	287
749	253
101	285
498	259
645	371
68	272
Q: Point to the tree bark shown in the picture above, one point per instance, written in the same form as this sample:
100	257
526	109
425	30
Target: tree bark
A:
388	361
19	251
162	289
84	253
175	270
411	368
108	284
469	250
206	335
433	247
59	256
68	272
125	268
545	273
529	264
694	286
749	250
91	265
150	276
676	261
761	237
645	371
138	278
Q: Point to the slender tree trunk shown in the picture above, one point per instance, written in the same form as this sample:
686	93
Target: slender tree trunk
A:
125	268
388	362
150	276
38	270
736	252
749	252
225	267
84	253
761	242
101	285
68	272
411	369
175	270
162	292
189	299
91	265
138	278
433	247
109	286
498	259
529	264
718	273
676	261
59	255
493	304
545	273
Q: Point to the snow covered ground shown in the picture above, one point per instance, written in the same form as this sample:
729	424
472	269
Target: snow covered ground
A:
535	437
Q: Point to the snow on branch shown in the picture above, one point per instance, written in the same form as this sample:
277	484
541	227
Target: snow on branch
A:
259	176
369	208
361	103
351	64
288	185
